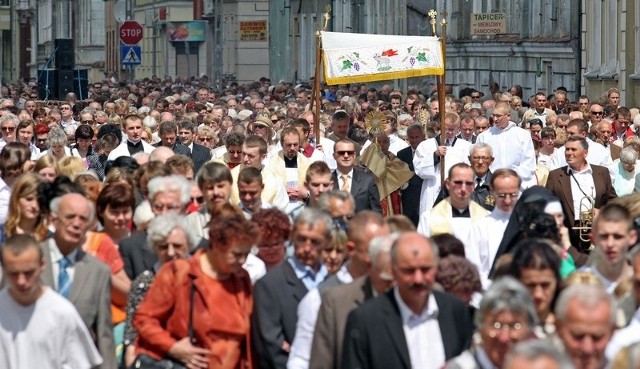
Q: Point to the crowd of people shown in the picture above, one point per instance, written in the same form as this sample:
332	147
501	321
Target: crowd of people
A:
171	224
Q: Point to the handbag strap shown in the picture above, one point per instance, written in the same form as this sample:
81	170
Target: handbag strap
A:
192	295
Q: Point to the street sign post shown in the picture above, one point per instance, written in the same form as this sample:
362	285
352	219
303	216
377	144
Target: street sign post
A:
130	55
130	32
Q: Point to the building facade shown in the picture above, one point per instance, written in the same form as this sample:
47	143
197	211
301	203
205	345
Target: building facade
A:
610	56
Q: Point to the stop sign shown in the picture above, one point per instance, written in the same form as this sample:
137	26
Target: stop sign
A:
130	32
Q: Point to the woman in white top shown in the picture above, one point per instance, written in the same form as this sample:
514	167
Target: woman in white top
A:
57	144
625	171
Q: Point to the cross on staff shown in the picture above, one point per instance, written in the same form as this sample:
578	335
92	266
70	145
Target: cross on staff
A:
315	102
441	81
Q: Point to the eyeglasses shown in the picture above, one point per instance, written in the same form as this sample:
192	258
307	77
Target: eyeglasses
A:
206	139
41	140
87	121
498	116
513	329
199	199
463	183
65	108
475	97
274	121
509	195
8	129
345	152
597	112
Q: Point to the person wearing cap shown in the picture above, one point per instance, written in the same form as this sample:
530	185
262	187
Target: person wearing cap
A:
264	128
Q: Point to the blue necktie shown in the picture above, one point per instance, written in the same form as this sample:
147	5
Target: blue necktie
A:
64	281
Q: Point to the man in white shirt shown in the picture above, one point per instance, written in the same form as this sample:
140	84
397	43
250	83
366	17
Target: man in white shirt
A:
488	231
254	151
133	143
66	116
612	236
250	188
290	167
38	327
427	160
539	110
411	326
456	213
597	155
82	279
512	146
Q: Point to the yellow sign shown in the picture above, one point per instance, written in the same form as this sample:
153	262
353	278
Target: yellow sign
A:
253	30
488	23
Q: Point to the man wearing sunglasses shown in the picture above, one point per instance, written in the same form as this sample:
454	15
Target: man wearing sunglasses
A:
596	114
357	181
8	127
455	214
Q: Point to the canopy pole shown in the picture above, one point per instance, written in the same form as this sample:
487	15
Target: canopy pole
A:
315	101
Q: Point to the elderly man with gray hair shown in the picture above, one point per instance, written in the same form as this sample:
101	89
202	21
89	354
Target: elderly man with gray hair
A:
167	194
277	294
585	321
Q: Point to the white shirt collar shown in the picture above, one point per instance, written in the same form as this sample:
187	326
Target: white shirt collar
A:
584	171
56	254
406	314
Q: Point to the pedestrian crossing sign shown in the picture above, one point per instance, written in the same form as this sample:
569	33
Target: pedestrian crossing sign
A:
130	55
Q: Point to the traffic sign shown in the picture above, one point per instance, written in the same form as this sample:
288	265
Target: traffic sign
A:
130	55
130	32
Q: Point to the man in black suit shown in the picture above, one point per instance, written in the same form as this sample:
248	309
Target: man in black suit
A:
277	294
166	193
199	153
412	307
411	194
481	157
357	181
168	133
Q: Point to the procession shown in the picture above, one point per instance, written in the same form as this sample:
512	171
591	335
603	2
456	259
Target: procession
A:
378	214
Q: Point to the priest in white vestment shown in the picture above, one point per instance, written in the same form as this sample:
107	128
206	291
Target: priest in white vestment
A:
456	214
512	146
487	232
428	156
